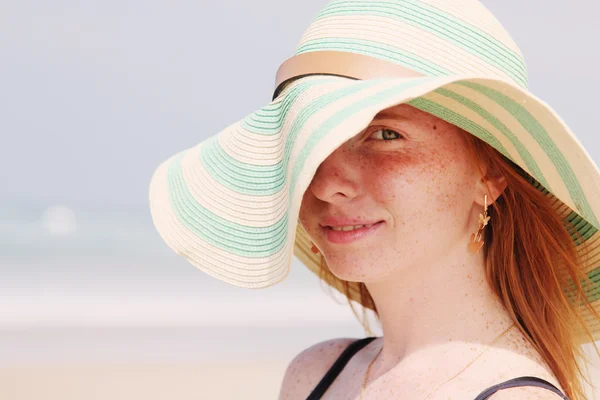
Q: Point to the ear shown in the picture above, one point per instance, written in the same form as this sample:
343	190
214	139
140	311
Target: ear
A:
493	187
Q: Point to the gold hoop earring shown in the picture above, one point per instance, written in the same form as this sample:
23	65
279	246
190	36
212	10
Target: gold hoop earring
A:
314	249
476	242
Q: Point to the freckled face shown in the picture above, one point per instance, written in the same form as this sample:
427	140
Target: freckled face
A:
407	168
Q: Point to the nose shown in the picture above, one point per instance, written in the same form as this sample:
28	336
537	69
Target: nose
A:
337	178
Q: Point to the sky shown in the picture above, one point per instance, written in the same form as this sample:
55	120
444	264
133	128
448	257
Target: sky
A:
96	94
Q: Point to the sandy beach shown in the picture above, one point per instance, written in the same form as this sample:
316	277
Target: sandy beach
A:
182	381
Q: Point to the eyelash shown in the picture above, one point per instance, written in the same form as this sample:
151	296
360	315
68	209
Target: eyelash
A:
400	136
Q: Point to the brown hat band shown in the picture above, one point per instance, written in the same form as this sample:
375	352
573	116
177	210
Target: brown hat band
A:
340	63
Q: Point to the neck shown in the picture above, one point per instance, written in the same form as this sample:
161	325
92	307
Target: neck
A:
431	307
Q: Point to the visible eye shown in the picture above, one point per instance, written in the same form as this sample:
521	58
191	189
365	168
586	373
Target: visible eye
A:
386	135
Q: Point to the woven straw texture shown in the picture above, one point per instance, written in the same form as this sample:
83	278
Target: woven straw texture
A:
230	204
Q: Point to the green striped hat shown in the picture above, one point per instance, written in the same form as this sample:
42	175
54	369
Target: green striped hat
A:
230	204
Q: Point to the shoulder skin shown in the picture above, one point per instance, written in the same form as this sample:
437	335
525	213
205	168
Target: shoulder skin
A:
306	369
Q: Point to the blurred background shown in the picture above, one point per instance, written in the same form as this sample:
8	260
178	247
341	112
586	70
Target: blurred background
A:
93	96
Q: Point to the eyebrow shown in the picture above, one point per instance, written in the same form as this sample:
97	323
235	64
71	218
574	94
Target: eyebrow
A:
389	115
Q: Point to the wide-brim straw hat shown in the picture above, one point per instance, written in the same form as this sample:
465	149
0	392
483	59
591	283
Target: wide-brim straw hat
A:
230	204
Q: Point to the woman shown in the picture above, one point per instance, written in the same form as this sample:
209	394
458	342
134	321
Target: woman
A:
425	190
404	161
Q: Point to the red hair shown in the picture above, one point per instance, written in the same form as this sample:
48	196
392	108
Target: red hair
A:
522	269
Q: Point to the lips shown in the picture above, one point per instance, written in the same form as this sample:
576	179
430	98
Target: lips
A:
340	222
344	237
350	227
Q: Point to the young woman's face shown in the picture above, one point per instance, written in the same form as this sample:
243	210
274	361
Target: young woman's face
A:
410	170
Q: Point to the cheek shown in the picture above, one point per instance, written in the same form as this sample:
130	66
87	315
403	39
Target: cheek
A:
396	176
452	181
306	209
422	185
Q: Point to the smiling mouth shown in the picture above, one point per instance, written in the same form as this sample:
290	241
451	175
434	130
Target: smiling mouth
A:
340	236
350	227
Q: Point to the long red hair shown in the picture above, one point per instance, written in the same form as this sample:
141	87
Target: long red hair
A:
521	269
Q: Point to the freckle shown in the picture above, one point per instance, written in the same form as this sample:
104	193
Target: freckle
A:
434	127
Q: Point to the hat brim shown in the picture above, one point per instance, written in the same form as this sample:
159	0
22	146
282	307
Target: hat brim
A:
230	204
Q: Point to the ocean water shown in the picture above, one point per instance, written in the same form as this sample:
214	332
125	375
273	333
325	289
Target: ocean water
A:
91	286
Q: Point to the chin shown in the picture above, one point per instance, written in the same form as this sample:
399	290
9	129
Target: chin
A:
364	267
353	271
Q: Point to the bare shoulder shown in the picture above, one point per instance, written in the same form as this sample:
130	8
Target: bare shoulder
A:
306	369
525	393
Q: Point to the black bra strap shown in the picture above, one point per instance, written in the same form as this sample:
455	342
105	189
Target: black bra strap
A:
357	345
522	381
337	367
